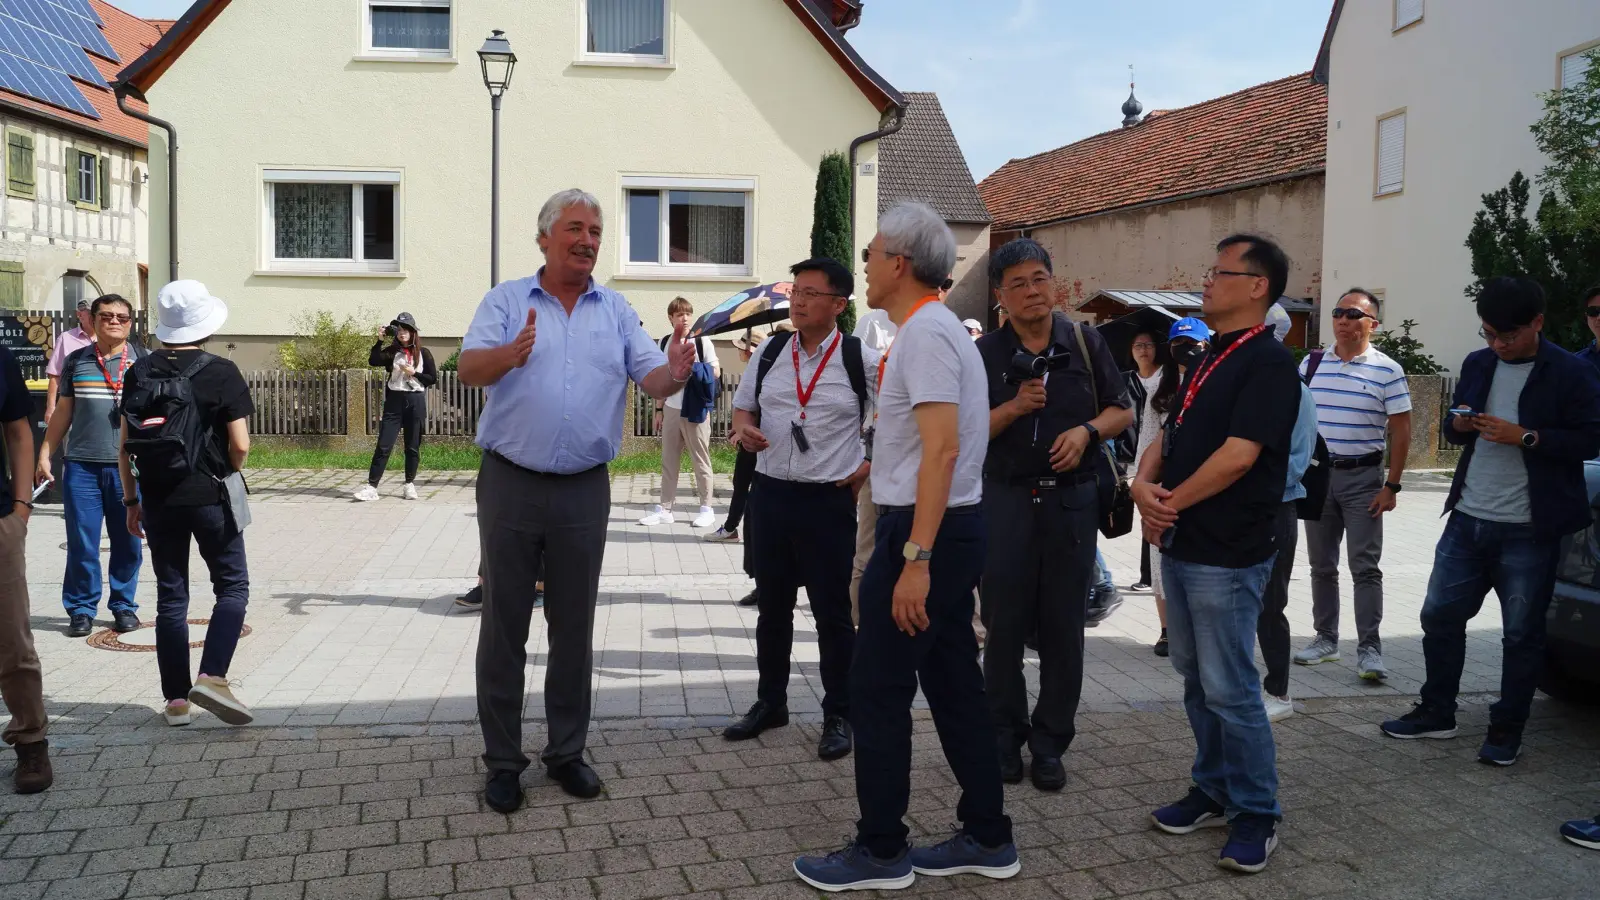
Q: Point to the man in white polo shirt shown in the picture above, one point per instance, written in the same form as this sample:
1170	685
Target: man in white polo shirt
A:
1361	397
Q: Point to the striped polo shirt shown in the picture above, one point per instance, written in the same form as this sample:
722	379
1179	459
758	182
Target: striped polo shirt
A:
1355	399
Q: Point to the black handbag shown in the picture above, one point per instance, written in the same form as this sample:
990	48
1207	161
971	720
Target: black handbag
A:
1116	505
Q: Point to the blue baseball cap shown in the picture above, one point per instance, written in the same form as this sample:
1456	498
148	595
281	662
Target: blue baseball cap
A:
1189	328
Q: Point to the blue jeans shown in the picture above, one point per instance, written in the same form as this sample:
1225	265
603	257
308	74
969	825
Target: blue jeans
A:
1102	574
92	492
1473	556
1211	623
221	546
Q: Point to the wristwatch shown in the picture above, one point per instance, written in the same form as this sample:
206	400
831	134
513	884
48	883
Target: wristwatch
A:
130	502
914	553
1530	439
1394	486
1094	433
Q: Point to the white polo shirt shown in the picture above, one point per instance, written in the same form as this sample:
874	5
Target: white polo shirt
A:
833	413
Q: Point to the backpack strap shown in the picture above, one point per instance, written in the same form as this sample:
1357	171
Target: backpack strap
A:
200	362
1312	362
768	357
855	367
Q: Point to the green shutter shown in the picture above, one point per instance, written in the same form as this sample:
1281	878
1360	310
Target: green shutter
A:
103	189
19	164
72	176
11	285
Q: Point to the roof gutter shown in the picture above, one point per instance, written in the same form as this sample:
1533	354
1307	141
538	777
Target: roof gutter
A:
855	145
123	89
1162	201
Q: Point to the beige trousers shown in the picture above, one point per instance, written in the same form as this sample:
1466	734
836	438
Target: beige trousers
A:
21	685
678	434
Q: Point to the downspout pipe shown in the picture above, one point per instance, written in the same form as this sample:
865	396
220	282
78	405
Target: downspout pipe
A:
122	90
891	128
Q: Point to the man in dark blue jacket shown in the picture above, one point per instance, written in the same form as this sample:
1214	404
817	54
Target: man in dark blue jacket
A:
1527	415
1591	309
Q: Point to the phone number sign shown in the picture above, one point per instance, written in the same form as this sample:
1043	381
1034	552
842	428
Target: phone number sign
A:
17	336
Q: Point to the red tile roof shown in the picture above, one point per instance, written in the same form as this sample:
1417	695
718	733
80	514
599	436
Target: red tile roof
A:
130	36
1264	133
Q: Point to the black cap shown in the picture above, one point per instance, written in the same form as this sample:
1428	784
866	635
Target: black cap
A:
406	320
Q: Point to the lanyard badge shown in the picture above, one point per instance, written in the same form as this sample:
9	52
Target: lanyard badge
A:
803	393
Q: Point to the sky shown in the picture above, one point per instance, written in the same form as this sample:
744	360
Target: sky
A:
1019	77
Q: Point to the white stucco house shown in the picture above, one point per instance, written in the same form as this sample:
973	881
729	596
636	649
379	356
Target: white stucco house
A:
335	154
1429	104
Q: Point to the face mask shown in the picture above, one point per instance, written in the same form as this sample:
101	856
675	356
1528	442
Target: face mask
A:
1188	354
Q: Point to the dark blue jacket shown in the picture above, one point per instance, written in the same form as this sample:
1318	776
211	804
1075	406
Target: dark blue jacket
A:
1562	403
1590	355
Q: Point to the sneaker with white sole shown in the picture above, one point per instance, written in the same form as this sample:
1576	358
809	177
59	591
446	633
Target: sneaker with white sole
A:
1320	650
366	493
177	712
216	696
1369	665
410	491
658	516
963	855
705	519
1278	708
722	535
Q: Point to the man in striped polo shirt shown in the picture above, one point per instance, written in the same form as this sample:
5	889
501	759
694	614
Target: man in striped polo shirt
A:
1361	396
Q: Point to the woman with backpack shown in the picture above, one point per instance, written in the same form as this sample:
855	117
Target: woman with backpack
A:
411	373
185	437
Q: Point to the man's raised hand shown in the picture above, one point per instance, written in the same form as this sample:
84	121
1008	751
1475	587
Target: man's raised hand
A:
522	345
680	353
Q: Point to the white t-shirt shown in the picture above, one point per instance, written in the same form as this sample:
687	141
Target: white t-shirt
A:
933	361
876	330
1149	419
703	354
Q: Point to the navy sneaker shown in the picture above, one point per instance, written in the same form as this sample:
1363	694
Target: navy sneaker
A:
1422	722
1192	813
855	869
963	855
1251	840
1583	832
1502	746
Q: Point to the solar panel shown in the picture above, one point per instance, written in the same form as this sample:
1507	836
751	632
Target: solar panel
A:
46	49
81	7
58	21
33	80
45	44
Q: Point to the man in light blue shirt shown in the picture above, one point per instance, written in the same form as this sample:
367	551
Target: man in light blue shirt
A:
556	352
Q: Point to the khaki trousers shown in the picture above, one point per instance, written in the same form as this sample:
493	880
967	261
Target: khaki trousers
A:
21	685
678	434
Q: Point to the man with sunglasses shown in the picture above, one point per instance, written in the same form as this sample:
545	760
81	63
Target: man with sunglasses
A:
89	415
1591	309
1361	398
1527	414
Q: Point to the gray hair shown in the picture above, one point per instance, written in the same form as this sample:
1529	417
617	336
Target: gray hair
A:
558	204
1015	253
914	230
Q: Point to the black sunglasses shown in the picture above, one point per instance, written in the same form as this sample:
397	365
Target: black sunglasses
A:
866	255
1593	311
1347	312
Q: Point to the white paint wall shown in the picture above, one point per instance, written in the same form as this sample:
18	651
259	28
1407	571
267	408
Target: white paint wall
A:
752	94
1469	76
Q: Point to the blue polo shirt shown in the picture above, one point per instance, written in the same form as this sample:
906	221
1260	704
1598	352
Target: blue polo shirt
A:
15	404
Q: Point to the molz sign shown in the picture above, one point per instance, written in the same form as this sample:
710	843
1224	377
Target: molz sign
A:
14	337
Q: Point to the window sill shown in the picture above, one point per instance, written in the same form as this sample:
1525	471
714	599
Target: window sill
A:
682	276
422	58
1384	195
622	62
326	273
88	207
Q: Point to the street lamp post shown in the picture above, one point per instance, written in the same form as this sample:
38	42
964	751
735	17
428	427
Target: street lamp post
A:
498	62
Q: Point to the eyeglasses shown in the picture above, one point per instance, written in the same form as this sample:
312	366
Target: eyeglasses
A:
1351	313
1212	273
866	254
809	294
1593	311
110	318
1144	345
1504	338
1040	282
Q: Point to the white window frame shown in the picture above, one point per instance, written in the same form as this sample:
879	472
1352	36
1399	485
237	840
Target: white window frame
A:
1563	56
664	61
666	270
1398	25
1378	189
403	54
270	264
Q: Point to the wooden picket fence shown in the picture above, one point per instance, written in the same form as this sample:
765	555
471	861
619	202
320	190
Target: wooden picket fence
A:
298	403
453	407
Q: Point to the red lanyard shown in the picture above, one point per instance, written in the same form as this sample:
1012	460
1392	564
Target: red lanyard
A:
1202	374
883	361
116	383
804	394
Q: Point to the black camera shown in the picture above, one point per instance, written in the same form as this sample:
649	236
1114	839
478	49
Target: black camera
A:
389	331
1026	366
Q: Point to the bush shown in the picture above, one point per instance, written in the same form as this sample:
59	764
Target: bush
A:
830	222
1406	350
451	364
323	342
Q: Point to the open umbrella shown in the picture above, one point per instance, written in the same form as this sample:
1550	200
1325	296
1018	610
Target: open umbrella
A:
760	305
1119	333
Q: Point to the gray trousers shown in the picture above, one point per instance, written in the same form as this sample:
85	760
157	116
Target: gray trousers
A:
528	522
1345	517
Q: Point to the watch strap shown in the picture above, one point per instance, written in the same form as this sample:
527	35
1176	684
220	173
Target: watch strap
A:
1393	486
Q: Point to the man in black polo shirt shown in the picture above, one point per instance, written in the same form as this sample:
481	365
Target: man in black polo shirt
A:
1041	499
1210	499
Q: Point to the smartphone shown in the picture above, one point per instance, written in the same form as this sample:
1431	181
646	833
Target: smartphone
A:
1465	411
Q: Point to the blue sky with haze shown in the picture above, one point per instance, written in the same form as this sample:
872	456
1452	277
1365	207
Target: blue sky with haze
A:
1018	77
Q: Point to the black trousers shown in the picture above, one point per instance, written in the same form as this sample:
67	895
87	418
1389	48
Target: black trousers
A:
889	664
1272	629
1144	563
169	530
744	469
804	536
1036	580
401	410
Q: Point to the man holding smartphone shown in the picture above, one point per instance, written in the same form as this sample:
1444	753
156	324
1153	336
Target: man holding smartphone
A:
1527	414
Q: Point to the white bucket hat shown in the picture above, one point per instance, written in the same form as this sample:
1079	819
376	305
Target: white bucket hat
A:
186	312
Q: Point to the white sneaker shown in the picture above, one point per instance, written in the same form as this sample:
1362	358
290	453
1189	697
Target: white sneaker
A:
367	493
658	516
410	492
723	535
1278	708
1320	650
705	519
177	712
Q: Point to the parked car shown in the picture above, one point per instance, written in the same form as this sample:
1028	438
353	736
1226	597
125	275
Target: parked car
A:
1572	651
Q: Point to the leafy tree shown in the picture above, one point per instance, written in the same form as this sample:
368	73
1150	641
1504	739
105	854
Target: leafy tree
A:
830	222
324	342
1407	350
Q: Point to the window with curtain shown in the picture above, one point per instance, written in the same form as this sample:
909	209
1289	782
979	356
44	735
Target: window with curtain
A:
318	222
706	227
88	171
419	25
688	228
626	27
314	221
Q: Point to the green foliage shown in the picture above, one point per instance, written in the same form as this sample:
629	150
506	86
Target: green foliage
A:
1406	350
1560	245
451	364
324	342
830	221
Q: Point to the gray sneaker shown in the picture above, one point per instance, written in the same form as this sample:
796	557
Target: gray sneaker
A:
1320	650
1369	665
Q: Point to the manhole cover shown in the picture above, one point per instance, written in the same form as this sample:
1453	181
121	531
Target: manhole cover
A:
143	638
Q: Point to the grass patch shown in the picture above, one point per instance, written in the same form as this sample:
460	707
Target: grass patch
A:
444	458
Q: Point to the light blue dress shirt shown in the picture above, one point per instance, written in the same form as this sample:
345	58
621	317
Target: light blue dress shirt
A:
561	413
1302	443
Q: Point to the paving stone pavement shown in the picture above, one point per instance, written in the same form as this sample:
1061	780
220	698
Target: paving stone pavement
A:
361	777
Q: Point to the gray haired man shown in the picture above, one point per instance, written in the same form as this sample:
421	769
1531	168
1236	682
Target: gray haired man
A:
543	491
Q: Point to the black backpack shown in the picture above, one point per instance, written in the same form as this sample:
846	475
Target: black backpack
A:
1315	480
854	366
167	440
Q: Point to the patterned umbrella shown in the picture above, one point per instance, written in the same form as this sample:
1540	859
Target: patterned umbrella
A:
761	305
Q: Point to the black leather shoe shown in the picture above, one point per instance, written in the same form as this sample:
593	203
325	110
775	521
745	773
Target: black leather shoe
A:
750	599
124	621
503	792
760	717
1048	773
1011	766
836	739
81	626
577	779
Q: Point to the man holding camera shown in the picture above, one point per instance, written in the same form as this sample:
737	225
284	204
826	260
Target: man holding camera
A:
1054	390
